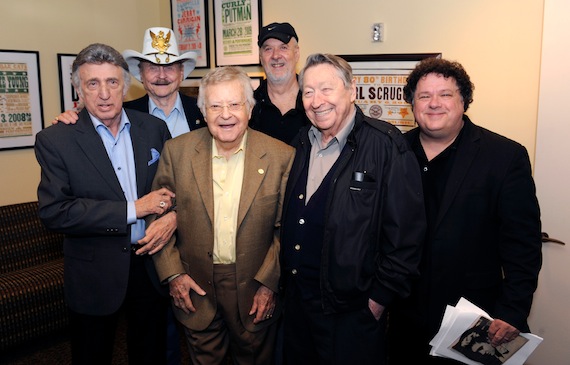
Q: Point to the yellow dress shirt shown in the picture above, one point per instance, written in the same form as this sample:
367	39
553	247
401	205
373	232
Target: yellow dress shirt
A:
227	180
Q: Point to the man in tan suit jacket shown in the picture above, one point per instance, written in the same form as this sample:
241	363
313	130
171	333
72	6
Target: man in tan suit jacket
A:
222	266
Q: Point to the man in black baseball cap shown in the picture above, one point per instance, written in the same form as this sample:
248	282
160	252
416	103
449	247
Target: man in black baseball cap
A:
282	31
279	110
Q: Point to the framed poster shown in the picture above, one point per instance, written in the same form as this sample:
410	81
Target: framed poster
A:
236	27
69	97
21	113
190	25
380	80
190	86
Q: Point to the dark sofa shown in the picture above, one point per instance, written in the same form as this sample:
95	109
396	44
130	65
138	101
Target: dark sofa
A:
31	277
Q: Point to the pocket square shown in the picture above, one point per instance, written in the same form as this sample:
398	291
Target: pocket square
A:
154	155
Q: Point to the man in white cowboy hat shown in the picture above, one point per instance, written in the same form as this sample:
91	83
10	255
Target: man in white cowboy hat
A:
161	69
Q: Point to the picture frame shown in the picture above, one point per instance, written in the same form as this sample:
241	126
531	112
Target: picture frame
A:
68	94
191	27
236	27
21	109
256	81
190	86
380	79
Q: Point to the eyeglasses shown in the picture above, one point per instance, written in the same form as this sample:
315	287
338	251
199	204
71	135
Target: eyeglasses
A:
232	107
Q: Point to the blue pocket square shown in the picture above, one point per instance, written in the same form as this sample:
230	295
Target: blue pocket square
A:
154	156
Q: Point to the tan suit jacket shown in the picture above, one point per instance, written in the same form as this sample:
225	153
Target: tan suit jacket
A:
185	168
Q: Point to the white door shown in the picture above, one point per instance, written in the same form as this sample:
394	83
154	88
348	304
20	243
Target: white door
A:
550	316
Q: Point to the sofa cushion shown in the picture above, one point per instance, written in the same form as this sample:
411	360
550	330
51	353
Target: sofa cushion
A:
31	303
25	240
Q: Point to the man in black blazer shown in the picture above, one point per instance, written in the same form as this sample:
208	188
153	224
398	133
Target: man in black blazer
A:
96	178
161	69
484	231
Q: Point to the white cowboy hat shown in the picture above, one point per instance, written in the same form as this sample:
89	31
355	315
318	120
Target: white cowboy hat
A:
161	48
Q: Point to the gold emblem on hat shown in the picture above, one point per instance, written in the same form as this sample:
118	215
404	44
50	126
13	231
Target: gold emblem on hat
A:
160	43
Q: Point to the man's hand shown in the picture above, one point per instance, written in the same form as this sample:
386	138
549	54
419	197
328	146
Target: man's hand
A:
501	332
263	304
67	117
155	202
180	292
375	308
157	234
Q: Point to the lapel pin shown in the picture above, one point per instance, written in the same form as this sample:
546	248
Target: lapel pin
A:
260	171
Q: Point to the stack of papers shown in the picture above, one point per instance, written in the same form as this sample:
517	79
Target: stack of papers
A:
463	337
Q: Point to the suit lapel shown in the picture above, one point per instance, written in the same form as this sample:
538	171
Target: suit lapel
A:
466	152
202	169
255	168
90	143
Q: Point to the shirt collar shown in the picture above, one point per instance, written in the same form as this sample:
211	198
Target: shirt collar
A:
124	121
216	154
177	105
315	135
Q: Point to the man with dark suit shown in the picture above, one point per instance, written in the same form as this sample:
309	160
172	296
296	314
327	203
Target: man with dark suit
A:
161	69
96	178
484	239
223	264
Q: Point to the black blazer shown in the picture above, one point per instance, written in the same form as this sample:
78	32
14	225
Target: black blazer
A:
80	196
194	117
485	244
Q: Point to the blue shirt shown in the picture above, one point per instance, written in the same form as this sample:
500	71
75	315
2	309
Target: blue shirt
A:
176	120
120	151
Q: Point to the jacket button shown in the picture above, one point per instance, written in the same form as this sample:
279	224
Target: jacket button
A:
301	221
294	271
297	247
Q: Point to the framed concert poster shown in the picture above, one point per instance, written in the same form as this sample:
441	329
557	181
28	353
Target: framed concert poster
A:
236	27
380	80
21	114
190	25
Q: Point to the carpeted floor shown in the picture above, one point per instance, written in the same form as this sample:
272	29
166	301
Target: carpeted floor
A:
56	350
48	351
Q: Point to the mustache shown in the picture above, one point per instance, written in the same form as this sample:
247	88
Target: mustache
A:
162	82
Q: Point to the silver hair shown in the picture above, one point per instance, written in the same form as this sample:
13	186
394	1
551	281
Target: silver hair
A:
98	54
222	75
342	67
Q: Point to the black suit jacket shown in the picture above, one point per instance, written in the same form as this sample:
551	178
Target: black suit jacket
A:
194	117
79	195
485	244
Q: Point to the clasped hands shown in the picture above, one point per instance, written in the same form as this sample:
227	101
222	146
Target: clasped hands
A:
158	233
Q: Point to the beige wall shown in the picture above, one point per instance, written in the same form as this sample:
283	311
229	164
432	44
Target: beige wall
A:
498	42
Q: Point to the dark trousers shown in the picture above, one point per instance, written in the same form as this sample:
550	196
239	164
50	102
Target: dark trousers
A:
313	338
226	334
93	337
409	337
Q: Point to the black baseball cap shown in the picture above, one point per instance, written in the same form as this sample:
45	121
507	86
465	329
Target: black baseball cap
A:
282	31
